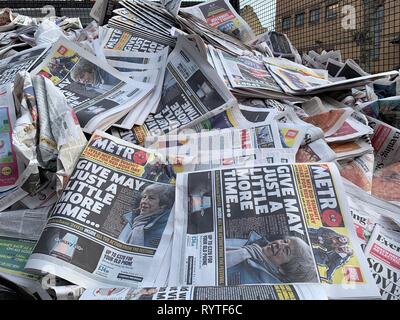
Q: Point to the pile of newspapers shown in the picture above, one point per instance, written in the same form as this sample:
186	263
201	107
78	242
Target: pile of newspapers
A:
172	154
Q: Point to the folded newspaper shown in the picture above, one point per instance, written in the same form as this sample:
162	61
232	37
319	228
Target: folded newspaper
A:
382	253
23	61
192	92
107	224
99	94
268	225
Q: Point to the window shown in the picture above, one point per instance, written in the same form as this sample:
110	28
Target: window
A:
379	20
332	11
286	23
300	19
314	16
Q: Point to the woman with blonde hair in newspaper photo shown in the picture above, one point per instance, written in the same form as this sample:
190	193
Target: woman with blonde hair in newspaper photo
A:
145	224
257	261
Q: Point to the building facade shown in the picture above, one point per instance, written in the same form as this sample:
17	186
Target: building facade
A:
364	30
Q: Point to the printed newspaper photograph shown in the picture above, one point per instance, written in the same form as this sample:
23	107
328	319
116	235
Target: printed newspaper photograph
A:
95	90
110	218
267	224
191	92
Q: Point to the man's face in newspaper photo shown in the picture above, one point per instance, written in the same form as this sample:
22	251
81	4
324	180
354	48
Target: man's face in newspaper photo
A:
149	203
85	73
87	78
340	241
279	251
93	77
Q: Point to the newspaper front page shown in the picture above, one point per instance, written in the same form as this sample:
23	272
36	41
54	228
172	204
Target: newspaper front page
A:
384	261
265	135
192	92
96	91
22	61
124	41
267	224
108	222
160	35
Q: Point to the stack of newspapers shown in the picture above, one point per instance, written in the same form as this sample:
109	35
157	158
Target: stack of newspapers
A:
173	154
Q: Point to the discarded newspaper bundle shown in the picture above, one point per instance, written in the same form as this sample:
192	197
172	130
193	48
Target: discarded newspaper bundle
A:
173	154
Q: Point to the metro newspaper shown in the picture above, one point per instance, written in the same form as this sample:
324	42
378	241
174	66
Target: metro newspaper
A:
230	221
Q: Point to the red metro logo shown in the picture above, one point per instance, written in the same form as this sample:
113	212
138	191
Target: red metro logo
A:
120	150
331	218
325	193
140	157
